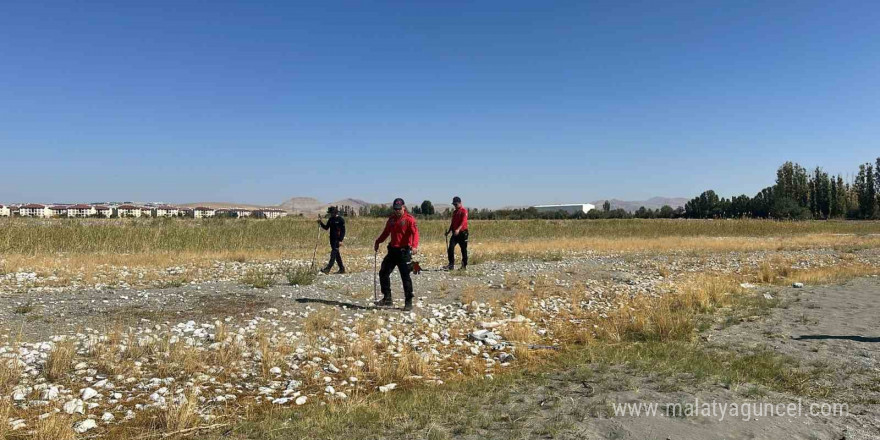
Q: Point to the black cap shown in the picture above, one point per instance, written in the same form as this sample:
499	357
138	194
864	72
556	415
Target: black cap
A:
456	199
398	203
332	210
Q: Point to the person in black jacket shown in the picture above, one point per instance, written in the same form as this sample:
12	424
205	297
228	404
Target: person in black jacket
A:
336	225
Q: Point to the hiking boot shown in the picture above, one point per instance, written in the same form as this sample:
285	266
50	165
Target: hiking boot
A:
385	302
325	271
407	305
451	267
340	271
463	267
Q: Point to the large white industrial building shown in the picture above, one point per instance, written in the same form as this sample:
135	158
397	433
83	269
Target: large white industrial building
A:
571	208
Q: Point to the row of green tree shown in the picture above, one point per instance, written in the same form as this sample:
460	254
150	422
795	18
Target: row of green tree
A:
799	194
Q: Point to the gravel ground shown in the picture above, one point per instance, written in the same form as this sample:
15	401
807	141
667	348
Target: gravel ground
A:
37	319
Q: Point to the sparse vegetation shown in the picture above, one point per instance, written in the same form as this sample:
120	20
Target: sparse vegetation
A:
259	278
60	360
297	275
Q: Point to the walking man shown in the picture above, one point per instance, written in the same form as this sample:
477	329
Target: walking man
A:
404	233
336	225
459	230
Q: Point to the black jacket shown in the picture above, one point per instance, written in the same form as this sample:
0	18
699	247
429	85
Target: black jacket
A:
336	225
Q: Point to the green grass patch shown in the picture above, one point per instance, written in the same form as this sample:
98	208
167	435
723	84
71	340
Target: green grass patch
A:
259	277
299	275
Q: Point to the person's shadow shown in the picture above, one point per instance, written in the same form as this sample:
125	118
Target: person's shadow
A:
828	337
328	302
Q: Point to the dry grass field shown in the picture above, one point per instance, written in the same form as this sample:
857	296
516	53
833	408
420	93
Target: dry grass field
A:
244	342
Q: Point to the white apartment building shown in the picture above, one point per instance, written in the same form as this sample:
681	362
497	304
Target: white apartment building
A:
33	210
103	211
129	211
270	213
81	211
58	211
5	211
203	212
165	211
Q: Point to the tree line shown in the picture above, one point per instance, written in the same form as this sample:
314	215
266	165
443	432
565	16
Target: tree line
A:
797	194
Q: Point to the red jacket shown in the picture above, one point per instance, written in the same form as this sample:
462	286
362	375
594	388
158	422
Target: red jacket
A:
403	231
459	219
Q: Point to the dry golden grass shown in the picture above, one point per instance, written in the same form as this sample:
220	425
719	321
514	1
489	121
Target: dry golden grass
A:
5	413
60	359
320	321
85	250
179	416
54	427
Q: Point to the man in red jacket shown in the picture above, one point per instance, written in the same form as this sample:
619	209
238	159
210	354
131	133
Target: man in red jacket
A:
459	230
404	233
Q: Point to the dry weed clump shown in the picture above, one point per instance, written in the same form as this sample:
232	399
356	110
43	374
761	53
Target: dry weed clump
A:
5	413
60	359
54	427
671	316
320	321
180	414
259	278
299	275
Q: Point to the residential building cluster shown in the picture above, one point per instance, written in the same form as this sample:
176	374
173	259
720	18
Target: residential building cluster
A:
127	210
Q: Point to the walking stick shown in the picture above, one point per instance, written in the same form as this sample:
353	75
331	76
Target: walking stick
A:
446	236
315	254
375	289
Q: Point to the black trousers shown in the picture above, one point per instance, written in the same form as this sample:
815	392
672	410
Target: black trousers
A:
461	240
401	258
335	256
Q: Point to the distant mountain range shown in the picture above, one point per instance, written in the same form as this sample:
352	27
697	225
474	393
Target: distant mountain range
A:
309	206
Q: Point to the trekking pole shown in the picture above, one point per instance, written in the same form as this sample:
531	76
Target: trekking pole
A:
315	254
446	236
375	289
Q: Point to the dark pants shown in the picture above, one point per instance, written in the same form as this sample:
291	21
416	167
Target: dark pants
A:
335	256
461	240
401	258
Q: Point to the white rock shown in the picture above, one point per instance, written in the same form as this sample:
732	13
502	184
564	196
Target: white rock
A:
50	393
108	417
275	370
85	425
301	400
155	397
797	285
387	388
88	393
74	406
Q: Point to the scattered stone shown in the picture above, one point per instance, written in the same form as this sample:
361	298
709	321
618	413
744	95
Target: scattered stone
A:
387	388
85	426
88	393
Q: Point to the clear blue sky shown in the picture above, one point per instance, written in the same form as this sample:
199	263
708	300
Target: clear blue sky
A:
507	102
